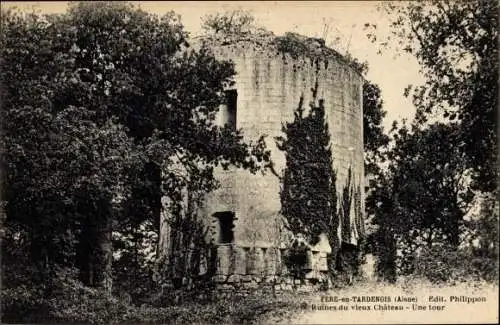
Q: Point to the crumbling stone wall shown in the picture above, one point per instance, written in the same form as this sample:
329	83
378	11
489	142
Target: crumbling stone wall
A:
269	82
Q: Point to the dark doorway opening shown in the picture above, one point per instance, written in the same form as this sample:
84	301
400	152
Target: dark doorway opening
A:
226	226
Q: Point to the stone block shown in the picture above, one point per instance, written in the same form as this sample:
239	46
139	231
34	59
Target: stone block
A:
259	264
278	263
220	278
240	261
257	279
255	261
310	261
270	279
322	262
313	275
227	287
304	288
250	261
271	261
252	285
224	257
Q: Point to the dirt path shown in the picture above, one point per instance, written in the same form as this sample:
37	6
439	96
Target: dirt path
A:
327	308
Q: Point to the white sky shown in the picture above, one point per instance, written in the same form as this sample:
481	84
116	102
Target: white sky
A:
346	19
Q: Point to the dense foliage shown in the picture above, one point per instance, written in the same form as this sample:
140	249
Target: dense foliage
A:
308	195
100	105
230	22
455	43
427	191
439	172
374	138
106	109
423	204
308	191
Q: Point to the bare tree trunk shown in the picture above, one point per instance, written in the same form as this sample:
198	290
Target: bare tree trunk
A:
95	249
105	263
429	237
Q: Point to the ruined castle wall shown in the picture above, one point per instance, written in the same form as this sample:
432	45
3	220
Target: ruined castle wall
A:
269	85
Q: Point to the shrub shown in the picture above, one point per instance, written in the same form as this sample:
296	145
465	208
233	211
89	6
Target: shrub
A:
71	301
296	260
61	297
441	264
23	292
22	304
65	299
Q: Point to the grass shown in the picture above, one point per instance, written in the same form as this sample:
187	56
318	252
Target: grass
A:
284	307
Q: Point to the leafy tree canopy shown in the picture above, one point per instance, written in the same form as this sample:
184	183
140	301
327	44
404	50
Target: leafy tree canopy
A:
94	97
423	196
455	43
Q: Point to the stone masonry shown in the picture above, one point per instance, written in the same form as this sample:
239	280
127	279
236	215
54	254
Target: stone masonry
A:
244	214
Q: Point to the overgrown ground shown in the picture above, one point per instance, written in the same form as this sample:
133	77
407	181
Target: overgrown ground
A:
290	307
294	307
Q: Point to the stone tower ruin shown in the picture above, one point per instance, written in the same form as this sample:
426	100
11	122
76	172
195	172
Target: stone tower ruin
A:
272	73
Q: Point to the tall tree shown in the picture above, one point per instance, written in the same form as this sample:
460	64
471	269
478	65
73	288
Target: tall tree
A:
374	138
91	99
425	192
455	43
382	240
